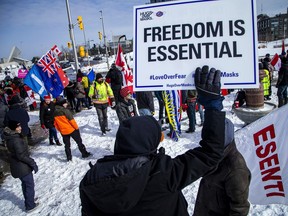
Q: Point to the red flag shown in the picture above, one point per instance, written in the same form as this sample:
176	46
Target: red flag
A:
276	62
64	79
128	76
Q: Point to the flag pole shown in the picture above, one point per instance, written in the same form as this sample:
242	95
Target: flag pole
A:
104	35
71	33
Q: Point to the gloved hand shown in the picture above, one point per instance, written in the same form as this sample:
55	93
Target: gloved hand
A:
35	168
113	103
43	126
208	86
184	107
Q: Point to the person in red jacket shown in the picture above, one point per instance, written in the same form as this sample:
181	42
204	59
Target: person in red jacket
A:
67	126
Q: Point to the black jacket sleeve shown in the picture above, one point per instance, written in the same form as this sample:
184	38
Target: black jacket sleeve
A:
196	162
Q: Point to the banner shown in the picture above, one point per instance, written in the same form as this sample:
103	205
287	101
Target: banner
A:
172	39
22	73
264	145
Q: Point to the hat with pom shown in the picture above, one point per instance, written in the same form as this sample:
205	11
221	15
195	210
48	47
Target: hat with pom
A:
124	92
47	97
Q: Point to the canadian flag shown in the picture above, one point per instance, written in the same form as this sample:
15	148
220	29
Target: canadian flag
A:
127	73
276	62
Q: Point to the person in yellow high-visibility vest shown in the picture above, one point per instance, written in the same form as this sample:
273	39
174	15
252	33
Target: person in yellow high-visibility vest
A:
266	81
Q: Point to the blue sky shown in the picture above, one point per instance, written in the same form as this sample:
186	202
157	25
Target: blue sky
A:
36	25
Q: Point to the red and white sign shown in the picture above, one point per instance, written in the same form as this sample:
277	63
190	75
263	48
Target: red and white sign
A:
264	145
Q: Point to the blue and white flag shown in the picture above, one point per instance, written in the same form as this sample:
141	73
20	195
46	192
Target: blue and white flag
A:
48	72
91	75
34	80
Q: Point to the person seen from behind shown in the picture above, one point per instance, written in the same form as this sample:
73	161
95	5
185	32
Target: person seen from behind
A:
67	126
145	103
227	186
138	179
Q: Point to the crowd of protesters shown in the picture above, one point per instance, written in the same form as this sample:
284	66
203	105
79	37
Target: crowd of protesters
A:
16	99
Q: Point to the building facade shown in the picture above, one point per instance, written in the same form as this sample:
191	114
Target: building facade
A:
272	28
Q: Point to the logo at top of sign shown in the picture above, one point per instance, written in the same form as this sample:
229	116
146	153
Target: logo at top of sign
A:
146	15
159	14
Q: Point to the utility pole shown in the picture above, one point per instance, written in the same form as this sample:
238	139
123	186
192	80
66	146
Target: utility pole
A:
105	44
71	33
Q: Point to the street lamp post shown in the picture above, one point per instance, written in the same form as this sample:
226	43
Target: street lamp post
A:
104	35
71	32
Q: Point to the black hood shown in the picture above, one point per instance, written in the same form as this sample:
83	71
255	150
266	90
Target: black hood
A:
137	136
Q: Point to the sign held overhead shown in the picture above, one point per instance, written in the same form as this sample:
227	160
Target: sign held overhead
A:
173	39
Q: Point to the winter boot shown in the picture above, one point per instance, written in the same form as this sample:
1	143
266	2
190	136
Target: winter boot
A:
51	141
280	102
58	143
68	154
87	154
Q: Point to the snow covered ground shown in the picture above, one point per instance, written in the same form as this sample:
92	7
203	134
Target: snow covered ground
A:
57	181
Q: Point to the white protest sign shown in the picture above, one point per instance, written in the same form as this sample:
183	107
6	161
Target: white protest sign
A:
264	145
172	39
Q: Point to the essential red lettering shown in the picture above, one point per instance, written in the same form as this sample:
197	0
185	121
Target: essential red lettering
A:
268	162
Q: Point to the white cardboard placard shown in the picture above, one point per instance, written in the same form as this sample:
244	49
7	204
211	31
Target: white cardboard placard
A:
172	39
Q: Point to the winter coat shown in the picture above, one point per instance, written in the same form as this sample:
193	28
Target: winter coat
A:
69	90
225	191
16	113
116	78
3	110
282	75
149	184
85	82
64	121
21	164
100	92
126	109
47	114
80	90
266	83
145	100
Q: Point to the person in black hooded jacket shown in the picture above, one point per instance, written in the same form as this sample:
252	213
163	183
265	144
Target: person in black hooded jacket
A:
17	113
137	180
21	164
226	187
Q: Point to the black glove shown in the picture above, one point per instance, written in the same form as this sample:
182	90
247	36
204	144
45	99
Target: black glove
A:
35	168
208	86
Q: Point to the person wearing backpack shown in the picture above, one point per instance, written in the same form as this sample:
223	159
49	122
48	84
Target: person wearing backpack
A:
115	77
100	92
